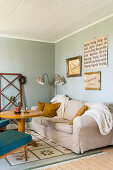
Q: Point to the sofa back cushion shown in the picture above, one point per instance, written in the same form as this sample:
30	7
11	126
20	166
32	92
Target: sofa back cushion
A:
72	108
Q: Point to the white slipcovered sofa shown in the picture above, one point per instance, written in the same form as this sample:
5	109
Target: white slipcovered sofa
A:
83	135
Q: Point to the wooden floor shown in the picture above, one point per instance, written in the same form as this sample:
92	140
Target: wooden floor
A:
99	162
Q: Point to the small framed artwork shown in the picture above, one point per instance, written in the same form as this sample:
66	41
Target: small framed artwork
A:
74	66
93	80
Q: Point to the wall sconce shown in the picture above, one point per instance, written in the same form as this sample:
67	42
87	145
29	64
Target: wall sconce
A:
58	81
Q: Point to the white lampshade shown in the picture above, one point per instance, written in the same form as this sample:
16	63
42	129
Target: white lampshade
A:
58	80
40	80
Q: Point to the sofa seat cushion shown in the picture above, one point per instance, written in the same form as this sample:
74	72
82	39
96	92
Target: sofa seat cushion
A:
38	119
52	121
72	108
64	127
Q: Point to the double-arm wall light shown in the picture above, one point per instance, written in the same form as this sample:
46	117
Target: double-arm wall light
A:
58	81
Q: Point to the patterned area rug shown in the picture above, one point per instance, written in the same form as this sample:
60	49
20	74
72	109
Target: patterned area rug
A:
47	153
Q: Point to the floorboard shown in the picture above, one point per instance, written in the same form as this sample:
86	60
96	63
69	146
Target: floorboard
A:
99	162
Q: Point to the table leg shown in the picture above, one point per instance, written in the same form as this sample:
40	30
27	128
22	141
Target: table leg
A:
21	125
21	128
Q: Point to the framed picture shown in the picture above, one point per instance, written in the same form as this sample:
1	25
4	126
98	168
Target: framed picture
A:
93	80
96	53
74	66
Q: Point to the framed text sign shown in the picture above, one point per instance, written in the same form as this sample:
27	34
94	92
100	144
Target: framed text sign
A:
96	53
92	81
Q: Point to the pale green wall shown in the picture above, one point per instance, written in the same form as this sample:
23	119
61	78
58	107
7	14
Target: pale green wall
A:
31	59
73	46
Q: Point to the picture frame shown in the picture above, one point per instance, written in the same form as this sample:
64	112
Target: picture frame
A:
96	53
93	80
74	66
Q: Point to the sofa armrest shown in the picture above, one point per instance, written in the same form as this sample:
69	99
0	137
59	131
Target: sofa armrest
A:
34	107
84	122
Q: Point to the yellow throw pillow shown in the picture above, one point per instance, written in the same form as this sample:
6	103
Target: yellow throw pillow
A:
41	106
50	109
79	113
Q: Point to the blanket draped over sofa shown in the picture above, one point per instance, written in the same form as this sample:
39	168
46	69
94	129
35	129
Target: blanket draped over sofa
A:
84	134
63	100
102	115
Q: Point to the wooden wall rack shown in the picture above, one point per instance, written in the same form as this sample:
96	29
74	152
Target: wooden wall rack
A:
10	83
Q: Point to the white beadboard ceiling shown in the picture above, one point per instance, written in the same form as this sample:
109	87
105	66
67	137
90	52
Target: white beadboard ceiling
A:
50	20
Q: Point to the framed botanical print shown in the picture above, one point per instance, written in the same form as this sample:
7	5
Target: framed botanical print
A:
93	80
74	66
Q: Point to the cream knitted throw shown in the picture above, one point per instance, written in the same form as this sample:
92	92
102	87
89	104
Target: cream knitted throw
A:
102	116
63	100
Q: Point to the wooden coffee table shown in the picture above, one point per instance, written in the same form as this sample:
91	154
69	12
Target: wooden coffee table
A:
20	117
